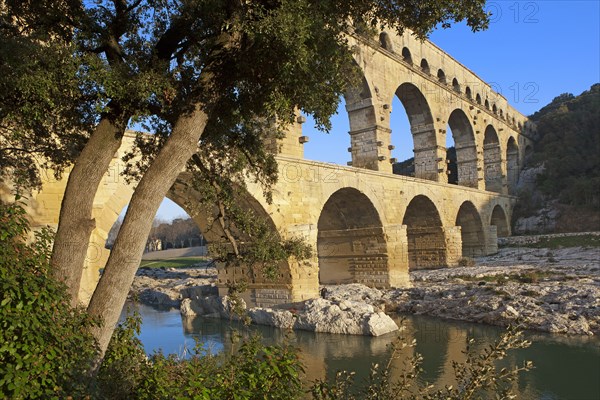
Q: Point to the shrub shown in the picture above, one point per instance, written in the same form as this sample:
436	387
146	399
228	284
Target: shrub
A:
252	371
45	347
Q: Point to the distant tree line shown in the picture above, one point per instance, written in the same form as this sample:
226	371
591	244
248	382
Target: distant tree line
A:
179	233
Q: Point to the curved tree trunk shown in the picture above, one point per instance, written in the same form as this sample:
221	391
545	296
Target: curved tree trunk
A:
75	224
110	294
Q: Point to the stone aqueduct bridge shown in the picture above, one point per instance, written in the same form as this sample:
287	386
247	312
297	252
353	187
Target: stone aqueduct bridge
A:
366	224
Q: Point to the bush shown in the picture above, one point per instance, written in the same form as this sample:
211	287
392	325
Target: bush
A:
45	347
253	371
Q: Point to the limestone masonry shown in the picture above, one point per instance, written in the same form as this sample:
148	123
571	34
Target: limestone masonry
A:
367	225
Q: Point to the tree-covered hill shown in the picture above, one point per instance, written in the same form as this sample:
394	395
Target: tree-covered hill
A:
567	154
569	147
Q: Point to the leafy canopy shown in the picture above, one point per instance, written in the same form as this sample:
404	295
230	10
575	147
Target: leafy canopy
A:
71	63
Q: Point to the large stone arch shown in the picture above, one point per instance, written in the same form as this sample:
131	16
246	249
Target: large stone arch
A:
351	243
262	289
512	165
466	148
500	221
364	126
422	130
492	160
473	239
426	239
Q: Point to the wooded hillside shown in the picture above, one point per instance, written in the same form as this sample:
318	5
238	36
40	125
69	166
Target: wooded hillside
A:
569	147
566	192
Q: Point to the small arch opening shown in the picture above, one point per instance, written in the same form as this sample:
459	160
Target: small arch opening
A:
455	85
494	109
468	93
487	104
385	41
478	99
406	56
425	66
441	76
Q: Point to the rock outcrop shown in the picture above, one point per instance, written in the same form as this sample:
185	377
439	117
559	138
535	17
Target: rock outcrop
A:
321	315
317	315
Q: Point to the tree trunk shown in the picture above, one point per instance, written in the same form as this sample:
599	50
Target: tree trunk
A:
75	224
110	294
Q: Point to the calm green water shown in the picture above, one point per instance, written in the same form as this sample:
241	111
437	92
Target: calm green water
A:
565	368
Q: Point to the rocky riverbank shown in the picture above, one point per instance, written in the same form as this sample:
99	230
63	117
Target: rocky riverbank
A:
554	291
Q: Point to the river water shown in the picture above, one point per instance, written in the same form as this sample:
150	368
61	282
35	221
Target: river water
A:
565	368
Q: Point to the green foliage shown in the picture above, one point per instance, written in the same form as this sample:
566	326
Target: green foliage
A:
252	371
43	119
125	363
67	64
45	347
569	144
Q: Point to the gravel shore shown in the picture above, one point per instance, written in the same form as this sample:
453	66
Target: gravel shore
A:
554	290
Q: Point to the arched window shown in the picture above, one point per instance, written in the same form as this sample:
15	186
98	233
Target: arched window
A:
406	55
468	92
425	66
385	41
441	76
478	98
487	104
455	85
494	109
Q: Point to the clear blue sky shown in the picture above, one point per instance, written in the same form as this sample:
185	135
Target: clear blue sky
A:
544	48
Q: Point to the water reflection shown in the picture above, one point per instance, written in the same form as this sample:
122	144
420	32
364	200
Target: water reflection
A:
565	368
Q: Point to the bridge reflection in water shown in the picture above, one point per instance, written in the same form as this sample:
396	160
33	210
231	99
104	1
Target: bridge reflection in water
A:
565	368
